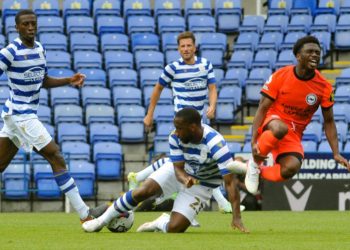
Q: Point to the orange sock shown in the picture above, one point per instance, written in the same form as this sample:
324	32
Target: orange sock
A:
266	142
271	173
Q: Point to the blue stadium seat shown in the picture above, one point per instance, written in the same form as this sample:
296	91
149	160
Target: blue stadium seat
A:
300	23
83	41
16	179
166	97
341	112
247	148
10	7
3	81
110	24
50	129
99	114
68	113
342	93
171	56
219	76
59	73
291	38
235	77
95	95
313	132
279	7
71	132
317	117
265	58
303	7
347	147
342	129
149	76
76	8
87	59
234	147
53	41
76	150
164	128
2	39
122	77
328	6
325	39
225	7
276	23
216	57
108	160
106	8
169	41
45	182
324	22
136	7
241	59
144	41
12	36
103	132
270	40
309	146
324	147
164	113
64	95
161	145
50	24
285	57
140	24
252	93
58	59
252	24
171	23
94	77
344	7
247	40
149	59
79	24
201	23
46	8
118	59
167	7
130	121
83	173
225	112
44	114
126	95
44	97
114	42
344	78
213	41
197	7
341	36
10	25
231	94
228	23
258	76
4	94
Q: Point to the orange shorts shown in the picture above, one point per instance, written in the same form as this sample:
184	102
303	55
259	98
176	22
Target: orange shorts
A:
290	143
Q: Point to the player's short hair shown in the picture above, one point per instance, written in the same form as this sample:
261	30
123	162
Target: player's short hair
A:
189	116
301	41
22	13
185	35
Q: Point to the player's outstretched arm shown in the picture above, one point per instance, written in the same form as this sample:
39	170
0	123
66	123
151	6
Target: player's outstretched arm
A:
233	196
76	80
213	96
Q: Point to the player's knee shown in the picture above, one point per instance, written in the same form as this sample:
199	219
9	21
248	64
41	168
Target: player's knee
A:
279	129
147	190
288	171
174	227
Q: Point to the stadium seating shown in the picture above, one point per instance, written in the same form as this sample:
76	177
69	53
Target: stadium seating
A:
140	24
16	179
53	41
45	183
114	42
106	8
279	7
87	59
167	7
122	77
83	41
71	132
68	113
76	150
10	7
276	23
144	41
64	95
58	59
100	114
130	121
201	23
44	114
46	8
197	7
108	159
149	76
95	95
109	24
136	7
167	23
149	59
76	8
118	59
103	132
83	173
234	147
50	24
235	76
94	77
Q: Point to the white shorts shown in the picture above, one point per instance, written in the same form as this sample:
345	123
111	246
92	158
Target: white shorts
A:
26	134
189	201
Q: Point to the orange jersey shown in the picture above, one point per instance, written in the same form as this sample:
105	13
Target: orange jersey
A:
296	100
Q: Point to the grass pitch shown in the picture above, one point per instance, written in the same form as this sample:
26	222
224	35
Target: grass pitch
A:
269	230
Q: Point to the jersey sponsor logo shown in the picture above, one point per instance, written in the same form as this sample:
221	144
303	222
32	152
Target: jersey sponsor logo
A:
34	74
195	83
311	99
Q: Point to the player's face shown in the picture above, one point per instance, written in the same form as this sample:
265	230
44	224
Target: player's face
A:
309	56
183	130
27	27
187	49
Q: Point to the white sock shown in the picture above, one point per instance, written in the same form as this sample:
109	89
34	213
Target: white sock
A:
162	224
143	174
108	215
237	167
219	197
77	203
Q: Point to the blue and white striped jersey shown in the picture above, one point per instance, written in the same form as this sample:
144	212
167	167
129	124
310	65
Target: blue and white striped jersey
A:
206	161
25	68
189	82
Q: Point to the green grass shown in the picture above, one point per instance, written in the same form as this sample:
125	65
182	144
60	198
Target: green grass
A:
269	230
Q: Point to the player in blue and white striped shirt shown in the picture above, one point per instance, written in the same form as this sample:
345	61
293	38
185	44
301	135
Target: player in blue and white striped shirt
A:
200	159
24	62
190	78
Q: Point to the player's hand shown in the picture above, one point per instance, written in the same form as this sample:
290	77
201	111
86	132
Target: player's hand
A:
190	181
148	122
238	224
256	154
211	112
340	159
77	80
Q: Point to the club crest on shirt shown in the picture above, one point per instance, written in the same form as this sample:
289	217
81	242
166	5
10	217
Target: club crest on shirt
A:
201	67
311	99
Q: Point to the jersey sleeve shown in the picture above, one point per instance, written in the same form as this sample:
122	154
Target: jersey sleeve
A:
211	74
176	153
328	97
272	85
167	76
220	153
6	57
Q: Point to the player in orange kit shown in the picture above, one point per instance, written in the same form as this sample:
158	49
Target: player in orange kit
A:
289	99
